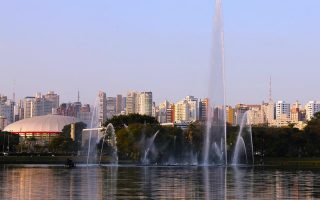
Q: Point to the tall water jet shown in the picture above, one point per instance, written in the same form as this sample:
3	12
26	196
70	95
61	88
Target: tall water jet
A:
93	123
216	117
145	160
109	136
244	144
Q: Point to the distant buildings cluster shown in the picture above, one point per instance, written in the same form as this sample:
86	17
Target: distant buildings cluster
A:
275	114
188	110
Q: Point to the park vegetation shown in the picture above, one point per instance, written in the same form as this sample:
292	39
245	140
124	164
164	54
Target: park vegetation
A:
134	132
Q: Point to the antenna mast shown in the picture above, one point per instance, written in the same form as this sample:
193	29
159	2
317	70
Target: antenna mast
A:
270	90
14	93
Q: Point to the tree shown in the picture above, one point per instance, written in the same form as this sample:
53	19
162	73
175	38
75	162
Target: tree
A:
121	121
8	141
312	131
79	126
62	144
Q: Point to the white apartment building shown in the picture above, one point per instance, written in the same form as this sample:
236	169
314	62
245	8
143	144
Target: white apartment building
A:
193	111
132	102
102	107
181	112
187	110
145	103
312	107
162	112
269	112
28	107
255	115
40	104
7	112
282	110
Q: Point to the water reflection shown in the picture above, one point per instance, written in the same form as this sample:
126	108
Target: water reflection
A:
214	182
109	182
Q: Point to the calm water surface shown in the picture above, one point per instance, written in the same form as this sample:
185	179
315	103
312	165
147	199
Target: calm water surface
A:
133	182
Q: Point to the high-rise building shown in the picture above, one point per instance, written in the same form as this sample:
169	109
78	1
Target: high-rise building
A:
181	111
111	106
119	105
269	112
162	112
3	122
193	111
296	114
240	111
255	115
170	114
145	103
124	105
77	108
131	102
28	107
230	115
312	107
154	110
86	115
40	104
282	110
6	110
203	109
19	111
69	109
53	98
102	107
187	110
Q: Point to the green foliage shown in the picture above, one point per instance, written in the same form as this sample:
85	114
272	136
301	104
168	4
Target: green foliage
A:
312	133
8	141
79	126
277	142
195	134
133	141
173	142
62	144
120	121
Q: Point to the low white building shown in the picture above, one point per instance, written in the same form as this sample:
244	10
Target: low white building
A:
312	107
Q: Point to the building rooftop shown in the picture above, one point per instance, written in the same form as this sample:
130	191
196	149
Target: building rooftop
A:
47	123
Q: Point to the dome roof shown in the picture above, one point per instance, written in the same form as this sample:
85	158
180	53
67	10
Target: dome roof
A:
47	123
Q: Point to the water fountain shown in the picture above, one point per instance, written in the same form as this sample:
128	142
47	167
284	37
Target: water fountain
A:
98	134
241	150
110	136
215	151
145	160
93	123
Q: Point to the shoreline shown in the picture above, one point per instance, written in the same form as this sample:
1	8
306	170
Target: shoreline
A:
276	162
34	159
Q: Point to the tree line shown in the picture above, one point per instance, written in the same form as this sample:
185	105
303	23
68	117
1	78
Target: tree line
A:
134	132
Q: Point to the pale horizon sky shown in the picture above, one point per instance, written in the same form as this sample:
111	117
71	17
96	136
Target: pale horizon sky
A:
159	46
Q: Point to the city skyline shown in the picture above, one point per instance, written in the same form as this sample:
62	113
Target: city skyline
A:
91	47
183	112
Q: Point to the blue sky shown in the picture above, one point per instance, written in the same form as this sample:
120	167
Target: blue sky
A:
163	46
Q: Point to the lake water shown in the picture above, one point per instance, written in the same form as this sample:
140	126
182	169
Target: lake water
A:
134	182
